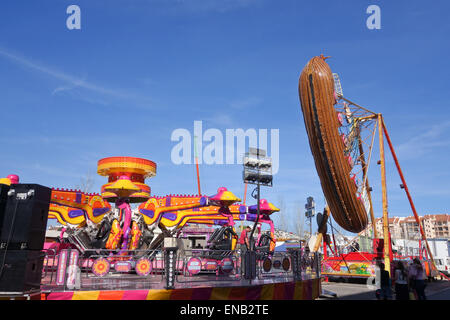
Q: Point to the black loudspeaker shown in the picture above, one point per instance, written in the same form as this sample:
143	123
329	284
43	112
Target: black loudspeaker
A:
250	265
25	217
296	257
20	270
3	199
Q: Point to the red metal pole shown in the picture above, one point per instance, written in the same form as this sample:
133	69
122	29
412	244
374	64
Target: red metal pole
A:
331	249
391	254
407	191
196	165
198	177
334	240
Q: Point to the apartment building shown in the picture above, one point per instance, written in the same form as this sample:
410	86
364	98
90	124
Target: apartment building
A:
437	225
434	226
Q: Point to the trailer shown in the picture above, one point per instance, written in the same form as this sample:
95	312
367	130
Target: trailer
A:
440	249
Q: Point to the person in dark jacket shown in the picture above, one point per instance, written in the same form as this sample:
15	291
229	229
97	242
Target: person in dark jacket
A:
385	283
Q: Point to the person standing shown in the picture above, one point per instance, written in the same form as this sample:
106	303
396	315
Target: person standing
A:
244	244
385	283
417	278
401	282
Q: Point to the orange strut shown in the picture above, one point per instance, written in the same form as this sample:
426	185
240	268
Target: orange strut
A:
407	191
245	193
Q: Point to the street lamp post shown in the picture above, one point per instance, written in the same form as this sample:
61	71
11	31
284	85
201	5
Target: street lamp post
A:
310	207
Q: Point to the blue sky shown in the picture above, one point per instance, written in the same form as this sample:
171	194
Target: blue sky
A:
137	70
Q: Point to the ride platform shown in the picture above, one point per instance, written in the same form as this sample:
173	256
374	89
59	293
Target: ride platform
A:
283	276
308	289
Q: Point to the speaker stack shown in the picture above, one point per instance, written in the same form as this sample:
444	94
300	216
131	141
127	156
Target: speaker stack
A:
23	222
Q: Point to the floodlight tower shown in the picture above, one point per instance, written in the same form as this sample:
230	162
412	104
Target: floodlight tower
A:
257	170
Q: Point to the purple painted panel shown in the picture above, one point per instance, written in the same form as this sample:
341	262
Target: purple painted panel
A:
99	211
148	213
76	213
170	215
78	197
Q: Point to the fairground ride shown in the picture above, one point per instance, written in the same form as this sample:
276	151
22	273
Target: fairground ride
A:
341	136
92	223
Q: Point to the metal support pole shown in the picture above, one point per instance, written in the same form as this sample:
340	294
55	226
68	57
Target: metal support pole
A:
257	217
170	261
387	262
310	226
245	199
250	256
363	163
170	267
411	203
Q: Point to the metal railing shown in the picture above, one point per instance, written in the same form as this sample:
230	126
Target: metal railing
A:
102	269
278	264
293	263
139	269
203	265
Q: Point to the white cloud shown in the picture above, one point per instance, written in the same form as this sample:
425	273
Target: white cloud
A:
222	119
73	85
245	103
437	136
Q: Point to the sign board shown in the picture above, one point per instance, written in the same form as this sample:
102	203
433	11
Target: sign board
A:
62	267
101	267
194	266
211	265
122	266
72	271
226	265
309	213
143	267
310	207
